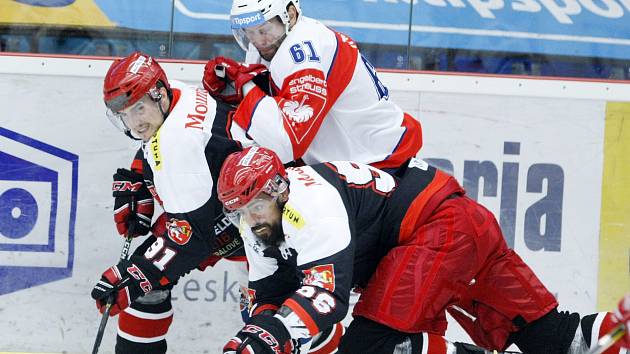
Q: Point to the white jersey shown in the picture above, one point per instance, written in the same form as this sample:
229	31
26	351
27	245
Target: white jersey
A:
182	163
328	99
174	154
332	240
314	227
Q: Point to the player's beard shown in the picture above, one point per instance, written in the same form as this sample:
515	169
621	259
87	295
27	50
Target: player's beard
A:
275	236
270	51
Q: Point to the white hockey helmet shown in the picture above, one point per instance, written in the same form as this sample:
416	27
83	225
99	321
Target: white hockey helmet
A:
252	13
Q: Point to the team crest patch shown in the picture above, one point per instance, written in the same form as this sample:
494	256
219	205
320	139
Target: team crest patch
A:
300	115
322	276
297	111
179	231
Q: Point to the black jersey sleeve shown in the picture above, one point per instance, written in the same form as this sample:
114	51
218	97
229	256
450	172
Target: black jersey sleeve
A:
311	297
323	297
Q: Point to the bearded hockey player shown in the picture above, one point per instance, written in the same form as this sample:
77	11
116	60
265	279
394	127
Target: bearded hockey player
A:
415	245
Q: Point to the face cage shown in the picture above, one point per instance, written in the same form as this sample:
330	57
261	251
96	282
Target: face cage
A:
274	187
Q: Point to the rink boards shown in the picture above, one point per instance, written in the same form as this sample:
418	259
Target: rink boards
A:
548	157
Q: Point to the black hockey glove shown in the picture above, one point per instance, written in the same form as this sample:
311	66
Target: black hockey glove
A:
125	282
264	334
130	193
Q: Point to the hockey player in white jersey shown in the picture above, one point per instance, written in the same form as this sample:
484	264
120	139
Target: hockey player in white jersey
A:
415	245
322	92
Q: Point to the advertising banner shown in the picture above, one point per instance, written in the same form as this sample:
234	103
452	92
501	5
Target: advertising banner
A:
54	12
565	27
535	163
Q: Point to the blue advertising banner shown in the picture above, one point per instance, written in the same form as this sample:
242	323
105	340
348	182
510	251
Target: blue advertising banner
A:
38	204
563	27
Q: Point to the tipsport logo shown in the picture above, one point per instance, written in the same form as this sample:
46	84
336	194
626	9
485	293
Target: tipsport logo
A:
246	20
38	202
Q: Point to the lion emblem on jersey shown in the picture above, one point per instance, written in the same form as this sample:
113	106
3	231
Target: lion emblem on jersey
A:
321	275
298	112
179	231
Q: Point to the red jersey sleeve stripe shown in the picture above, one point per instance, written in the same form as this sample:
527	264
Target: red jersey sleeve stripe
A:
408	146
312	327
246	109
236	258
264	307
331	343
136	166
332	63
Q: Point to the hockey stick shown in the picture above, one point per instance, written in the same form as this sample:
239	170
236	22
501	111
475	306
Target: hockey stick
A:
609	339
110	301
124	254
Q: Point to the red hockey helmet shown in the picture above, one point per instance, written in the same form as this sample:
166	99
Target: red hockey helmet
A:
129	79
246	173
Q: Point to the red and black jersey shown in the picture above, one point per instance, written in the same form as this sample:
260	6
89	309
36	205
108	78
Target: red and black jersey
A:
340	220
181	165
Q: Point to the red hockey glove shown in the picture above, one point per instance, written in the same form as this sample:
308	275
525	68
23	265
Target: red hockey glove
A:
224	78
125	281
263	334
622	315
130	192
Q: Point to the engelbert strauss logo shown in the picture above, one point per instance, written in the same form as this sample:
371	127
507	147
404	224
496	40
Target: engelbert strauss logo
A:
38	203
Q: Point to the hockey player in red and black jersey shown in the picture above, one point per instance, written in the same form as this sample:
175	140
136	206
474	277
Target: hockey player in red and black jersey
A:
416	246
185	137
